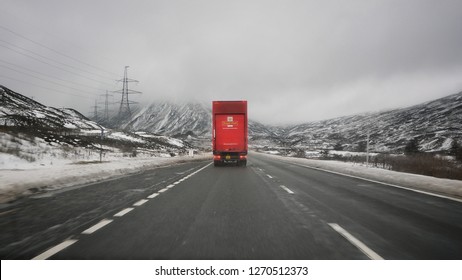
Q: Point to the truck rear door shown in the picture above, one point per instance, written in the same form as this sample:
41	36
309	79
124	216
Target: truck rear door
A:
229	132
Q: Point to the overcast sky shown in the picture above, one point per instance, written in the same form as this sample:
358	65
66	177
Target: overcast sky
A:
294	61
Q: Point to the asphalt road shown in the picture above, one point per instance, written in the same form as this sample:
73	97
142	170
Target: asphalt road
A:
268	210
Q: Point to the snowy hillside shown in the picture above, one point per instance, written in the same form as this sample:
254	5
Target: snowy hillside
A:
434	123
35	135
166	118
186	121
19	110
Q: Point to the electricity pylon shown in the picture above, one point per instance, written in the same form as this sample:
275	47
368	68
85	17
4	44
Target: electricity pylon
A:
124	109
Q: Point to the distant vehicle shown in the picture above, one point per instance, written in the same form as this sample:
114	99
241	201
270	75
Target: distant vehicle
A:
229	133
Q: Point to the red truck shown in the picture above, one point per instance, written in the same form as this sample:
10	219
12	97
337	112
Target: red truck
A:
229	133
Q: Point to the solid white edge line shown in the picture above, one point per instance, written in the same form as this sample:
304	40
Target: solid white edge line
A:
286	189
170	186
50	252
382	183
97	226
123	212
153	195
140	202
356	242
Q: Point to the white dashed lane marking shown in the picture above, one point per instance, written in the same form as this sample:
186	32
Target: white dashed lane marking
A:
123	212
356	242
153	195
286	189
63	245
97	226
140	202
50	252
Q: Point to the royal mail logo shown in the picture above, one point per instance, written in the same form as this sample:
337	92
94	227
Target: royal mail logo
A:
230	123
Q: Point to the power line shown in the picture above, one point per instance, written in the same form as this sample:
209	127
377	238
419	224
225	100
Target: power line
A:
37	29
46	80
53	50
63	69
55	61
47	88
46	75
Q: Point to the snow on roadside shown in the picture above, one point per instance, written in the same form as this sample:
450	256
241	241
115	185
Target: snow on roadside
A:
124	136
15	183
419	182
170	140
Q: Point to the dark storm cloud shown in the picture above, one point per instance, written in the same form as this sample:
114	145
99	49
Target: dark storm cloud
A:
308	59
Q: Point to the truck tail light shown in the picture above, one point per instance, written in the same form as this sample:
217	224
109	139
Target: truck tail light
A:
216	157
242	157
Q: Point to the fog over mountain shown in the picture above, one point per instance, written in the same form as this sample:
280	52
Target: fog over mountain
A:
435	124
294	61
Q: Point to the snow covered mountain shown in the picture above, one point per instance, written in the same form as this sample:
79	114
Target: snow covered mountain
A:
32	132
171	119
19	110
183	120
435	124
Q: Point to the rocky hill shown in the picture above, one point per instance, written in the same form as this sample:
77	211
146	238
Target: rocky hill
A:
30	130
435	124
20	111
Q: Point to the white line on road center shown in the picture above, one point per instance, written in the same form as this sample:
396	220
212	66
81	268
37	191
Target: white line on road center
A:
269	176
123	212
50	252
286	189
97	226
356	242
153	195
140	202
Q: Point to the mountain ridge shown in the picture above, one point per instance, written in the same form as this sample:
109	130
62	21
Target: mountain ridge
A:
435	123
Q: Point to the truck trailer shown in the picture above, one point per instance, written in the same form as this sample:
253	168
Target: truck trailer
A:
229	132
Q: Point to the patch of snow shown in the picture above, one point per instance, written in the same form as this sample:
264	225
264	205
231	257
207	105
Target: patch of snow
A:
70	126
348	154
170	140
174	142
447	144
123	136
38	114
90	132
61	174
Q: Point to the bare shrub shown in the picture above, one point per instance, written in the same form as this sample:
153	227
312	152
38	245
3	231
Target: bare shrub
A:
421	163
